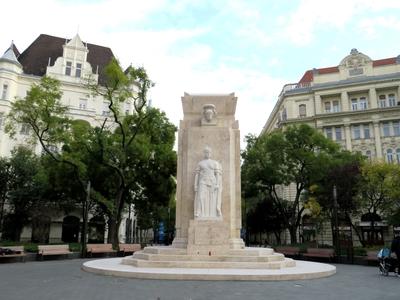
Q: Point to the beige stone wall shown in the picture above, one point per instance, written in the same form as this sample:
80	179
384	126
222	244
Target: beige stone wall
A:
224	140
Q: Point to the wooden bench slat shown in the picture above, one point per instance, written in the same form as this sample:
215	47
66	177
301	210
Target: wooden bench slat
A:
53	249
19	249
99	248
320	252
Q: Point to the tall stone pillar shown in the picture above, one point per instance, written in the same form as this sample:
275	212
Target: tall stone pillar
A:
208	122
347	133
373	98
318	104
345	101
378	144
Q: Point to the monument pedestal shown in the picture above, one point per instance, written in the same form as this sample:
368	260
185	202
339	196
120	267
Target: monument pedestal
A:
208	237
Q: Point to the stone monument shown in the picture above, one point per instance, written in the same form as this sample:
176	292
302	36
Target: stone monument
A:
207	244
208	204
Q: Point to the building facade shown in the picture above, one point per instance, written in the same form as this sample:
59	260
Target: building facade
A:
356	104
71	61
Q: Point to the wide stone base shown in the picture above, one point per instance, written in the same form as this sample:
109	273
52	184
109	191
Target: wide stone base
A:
302	270
234	264
208	257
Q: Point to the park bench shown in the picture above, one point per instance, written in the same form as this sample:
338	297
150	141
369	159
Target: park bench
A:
12	252
48	250
372	257
327	253
129	248
288	250
99	248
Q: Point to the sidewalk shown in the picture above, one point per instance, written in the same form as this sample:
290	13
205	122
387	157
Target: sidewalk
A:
63	279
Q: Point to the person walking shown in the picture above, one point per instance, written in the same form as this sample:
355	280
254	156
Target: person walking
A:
395	247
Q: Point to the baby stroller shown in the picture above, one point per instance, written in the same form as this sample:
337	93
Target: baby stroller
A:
386	262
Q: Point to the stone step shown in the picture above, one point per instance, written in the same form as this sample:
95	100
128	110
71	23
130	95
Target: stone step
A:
221	258
165	250
252	251
287	262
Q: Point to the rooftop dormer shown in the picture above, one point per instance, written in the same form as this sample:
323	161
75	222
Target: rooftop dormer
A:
72	66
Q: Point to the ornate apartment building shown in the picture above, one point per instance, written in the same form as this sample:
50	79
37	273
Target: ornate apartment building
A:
70	61
356	104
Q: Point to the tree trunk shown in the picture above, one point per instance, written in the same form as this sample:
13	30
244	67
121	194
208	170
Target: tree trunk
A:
278	237
293	234
113	230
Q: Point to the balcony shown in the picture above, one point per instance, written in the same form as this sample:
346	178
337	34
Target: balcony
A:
294	86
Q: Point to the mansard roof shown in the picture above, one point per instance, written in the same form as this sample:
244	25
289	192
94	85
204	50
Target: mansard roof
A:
36	57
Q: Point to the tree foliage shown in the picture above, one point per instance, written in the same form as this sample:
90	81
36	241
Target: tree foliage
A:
297	156
380	188
128	158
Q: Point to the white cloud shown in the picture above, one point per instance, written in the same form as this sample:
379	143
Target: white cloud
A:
310	15
371	27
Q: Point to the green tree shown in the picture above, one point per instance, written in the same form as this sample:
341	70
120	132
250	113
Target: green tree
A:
5	177
393	211
110	156
379	189
298	156
344	175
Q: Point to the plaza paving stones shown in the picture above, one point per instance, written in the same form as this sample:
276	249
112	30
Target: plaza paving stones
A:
64	280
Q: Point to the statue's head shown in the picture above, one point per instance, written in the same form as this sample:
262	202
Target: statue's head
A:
209	112
207	152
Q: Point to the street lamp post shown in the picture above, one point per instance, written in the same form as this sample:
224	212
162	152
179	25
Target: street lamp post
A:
336	230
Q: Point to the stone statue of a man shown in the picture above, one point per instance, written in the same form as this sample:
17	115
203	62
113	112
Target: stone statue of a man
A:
208	187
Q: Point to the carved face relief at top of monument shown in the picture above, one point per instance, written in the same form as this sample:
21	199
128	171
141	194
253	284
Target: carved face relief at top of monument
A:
209	114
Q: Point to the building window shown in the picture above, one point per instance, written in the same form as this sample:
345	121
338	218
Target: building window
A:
338	133
328	133
68	68
368	154
1	120
367	133
4	93
396	128
389	156
106	109
363	103
398	155
386	129
354	104
127	108
382	101
327	107
78	70
392	100
25	129
82	103
335	106
302	110
356	132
